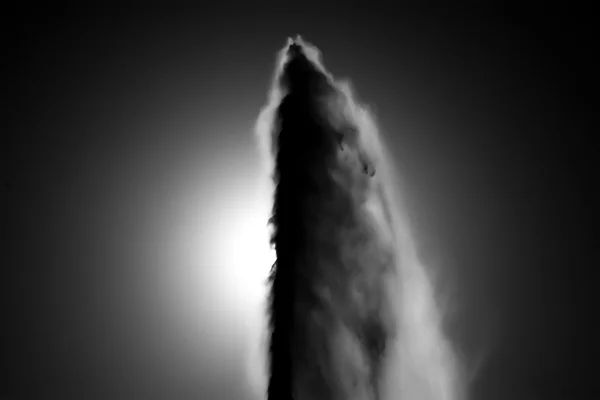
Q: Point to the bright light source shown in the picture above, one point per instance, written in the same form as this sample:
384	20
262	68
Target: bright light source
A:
245	254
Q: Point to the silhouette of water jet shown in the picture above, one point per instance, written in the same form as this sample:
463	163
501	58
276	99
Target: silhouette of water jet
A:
351	309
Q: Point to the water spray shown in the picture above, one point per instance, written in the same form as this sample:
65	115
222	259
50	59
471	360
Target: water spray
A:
351	310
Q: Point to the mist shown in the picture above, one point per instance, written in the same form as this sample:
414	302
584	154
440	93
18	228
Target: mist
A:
352	310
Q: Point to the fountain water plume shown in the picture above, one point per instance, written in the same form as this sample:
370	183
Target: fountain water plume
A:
351	309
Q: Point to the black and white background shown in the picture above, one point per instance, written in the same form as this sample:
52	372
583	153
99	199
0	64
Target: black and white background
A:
133	244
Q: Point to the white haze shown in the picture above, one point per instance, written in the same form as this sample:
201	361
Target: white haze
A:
421	363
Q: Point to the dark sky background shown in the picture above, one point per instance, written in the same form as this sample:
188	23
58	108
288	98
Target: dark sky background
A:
129	163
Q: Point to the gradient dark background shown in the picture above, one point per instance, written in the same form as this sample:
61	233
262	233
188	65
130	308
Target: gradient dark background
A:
127	127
